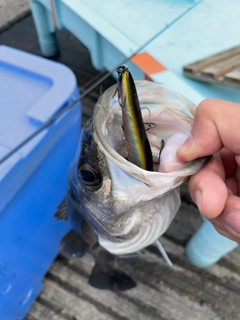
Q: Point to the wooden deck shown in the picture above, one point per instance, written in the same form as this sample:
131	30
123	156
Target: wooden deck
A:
182	292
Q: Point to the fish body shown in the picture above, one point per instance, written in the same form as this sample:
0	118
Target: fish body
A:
137	144
128	207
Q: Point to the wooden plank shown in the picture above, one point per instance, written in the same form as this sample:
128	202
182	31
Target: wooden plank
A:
164	300
232	83
39	311
69	305
176	252
197	66
201	77
180	289
231	261
84	265
219	69
219	272
232	78
109	302
170	304
233	74
162	304
188	281
222	69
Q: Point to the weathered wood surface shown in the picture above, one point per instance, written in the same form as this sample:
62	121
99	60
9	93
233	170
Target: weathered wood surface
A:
222	68
182	292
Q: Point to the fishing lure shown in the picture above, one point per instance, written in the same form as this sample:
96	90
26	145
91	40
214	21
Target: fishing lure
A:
138	147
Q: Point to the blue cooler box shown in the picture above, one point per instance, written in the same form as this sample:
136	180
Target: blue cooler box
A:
33	180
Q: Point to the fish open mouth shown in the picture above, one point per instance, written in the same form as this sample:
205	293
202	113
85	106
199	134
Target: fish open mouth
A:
166	131
171	115
168	117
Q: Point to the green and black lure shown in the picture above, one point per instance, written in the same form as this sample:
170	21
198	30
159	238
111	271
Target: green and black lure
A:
138	147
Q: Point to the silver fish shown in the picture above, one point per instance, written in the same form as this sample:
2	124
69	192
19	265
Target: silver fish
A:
129	208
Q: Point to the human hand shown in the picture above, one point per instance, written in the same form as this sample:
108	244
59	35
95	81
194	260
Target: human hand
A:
216	188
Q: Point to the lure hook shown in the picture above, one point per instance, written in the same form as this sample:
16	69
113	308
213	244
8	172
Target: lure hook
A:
149	125
149	112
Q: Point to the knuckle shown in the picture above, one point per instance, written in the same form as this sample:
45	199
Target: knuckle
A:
205	106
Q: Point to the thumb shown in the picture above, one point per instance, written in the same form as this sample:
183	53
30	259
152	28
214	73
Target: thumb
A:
216	124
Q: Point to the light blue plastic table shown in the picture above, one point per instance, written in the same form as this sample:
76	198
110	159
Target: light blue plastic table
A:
172	33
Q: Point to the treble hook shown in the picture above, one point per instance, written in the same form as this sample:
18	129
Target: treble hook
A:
149	112
149	125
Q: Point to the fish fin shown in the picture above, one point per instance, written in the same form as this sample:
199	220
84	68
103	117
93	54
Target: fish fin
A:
62	213
163	252
110	279
73	245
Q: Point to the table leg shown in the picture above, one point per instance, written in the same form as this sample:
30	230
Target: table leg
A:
45	29
207	246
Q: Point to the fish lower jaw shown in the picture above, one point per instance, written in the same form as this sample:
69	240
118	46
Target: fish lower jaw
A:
148	234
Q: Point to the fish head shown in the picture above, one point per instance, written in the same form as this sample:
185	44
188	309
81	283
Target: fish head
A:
89	183
128	207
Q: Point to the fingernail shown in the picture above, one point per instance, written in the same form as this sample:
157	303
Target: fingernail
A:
232	219
186	145
198	198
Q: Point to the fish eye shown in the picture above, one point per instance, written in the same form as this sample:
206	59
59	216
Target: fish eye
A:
89	175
